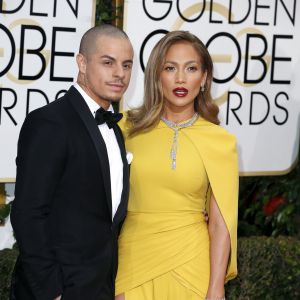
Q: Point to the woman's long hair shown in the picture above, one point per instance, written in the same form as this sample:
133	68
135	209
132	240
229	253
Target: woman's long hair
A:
148	115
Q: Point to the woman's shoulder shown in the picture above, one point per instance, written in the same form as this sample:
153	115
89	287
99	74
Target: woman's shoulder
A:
213	131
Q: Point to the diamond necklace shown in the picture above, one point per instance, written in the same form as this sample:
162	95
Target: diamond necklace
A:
176	128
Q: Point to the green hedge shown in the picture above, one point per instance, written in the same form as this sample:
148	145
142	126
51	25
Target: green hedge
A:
7	261
269	268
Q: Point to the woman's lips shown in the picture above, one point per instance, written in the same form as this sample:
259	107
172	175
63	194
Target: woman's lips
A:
180	92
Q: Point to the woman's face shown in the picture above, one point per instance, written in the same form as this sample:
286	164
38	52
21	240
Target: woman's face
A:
181	77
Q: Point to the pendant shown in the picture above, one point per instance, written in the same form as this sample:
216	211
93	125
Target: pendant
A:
176	128
173	152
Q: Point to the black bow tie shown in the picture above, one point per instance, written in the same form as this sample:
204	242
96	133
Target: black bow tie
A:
103	116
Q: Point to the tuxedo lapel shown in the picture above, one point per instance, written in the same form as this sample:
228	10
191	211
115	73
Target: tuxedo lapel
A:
124	197
83	111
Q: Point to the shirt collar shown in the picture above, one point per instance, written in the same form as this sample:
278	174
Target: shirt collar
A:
92	104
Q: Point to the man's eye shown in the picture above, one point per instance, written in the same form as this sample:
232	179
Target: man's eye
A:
107	62
127	66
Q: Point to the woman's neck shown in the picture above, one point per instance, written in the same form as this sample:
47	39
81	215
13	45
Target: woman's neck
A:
178	117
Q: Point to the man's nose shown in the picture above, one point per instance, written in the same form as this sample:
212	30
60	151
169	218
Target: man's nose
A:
119	71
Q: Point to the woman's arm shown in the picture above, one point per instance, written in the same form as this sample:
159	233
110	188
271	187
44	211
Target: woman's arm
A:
219	251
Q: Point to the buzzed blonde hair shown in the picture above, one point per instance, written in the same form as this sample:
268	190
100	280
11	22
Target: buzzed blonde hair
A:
88	43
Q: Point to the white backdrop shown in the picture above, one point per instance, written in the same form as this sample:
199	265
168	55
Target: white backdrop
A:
254	45
38	44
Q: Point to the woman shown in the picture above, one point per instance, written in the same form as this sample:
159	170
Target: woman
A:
183	163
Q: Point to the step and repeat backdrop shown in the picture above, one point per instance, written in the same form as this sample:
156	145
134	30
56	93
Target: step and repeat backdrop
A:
255	49
38	44
254	45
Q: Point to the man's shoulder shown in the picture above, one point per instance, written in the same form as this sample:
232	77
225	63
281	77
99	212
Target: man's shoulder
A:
55	110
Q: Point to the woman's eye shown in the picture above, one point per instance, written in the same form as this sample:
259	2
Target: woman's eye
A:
169	68
192	68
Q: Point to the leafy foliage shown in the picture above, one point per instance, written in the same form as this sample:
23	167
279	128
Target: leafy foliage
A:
7	262
270	205
107	13
269	268
4	212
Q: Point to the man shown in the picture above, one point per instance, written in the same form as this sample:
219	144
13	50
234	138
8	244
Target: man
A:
72	180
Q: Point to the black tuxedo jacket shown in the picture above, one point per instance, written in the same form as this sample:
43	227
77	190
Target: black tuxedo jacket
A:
62	212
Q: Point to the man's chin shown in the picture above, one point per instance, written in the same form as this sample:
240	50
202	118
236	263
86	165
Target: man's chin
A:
115	100
112	97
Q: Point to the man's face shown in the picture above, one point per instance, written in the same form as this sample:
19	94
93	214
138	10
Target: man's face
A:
105	72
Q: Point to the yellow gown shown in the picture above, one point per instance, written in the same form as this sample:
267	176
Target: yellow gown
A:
164	242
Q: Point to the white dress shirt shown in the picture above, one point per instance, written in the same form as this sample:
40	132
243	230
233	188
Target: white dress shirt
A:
113	152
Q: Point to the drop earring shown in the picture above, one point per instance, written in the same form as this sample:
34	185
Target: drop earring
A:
202	89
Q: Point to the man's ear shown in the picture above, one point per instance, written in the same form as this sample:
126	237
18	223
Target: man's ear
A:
81	63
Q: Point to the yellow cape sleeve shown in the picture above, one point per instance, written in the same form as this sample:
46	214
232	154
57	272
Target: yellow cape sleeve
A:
123	124
217	148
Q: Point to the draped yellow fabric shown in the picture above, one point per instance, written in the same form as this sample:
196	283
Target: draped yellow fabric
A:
164	242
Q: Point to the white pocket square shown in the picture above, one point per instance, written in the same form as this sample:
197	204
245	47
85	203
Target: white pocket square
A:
129	157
